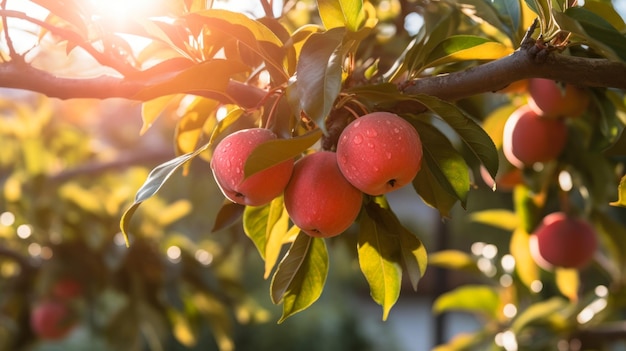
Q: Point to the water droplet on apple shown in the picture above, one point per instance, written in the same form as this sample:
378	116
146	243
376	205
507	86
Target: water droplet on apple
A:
357	139
388	154
371	145
371	133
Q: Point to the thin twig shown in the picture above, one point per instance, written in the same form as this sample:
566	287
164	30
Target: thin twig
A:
72	37
7	36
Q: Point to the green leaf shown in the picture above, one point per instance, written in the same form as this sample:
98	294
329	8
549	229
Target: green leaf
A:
479	299
187	81
413	253
444	162
606	11
255	220
595	30
299	280
487	11
499	218
276	151
228	214
379	254
157	177
276	233
494	123
510	13
621	194
525	266
437	27
341	13
453	259
427	185
152	109
251	33
472	135
546	312
191	125
319	74
613	236
568	282
464	48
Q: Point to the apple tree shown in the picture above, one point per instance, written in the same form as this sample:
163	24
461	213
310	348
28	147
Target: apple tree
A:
520	98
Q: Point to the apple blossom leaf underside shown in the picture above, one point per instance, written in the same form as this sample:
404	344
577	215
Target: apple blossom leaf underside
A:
341	13
301	275
319	75
480	299
276	151
621	194
472	135
380	260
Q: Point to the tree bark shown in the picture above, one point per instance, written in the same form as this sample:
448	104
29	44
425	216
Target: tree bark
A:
526	62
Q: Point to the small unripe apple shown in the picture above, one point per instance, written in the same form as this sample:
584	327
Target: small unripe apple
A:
529	138
318	199
563	241
229	159
379	152
51	319
549	100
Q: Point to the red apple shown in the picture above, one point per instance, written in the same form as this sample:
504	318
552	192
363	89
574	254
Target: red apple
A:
318	199
51	319
563	241
229	159
379	152
528	138
548	99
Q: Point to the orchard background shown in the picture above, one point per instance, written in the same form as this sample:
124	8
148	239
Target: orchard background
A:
115	236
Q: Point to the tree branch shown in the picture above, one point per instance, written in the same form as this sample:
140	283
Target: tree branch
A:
526	62
21	75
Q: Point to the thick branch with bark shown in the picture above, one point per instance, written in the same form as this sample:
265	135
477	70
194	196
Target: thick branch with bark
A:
527	62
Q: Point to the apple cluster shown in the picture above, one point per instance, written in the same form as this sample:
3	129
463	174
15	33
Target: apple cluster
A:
323	190
562	240
537	132
52	317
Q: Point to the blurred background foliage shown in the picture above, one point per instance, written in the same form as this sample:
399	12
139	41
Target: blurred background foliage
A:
66	179
69	169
